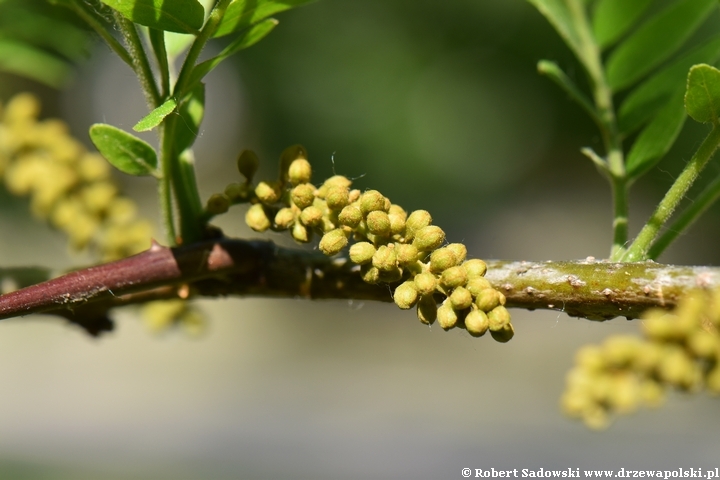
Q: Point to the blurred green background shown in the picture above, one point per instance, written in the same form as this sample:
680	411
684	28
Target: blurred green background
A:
435	103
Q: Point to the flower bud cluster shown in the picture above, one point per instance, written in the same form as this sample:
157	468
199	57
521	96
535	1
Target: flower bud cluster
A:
69	187
389	244
681	349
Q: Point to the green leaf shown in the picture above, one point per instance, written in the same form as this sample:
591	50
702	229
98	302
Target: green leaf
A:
240	14
702	98
246	39
657	138
191	113
23	59
651	95
155	118
655	41
182	16
613	18
557	13
124	151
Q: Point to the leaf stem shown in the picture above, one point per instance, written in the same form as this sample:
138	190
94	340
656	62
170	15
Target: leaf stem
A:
157	40
140	62
638	251
100	29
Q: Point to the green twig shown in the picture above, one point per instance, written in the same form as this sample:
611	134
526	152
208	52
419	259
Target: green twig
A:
157	40
686	218
638	251
140	62
100	29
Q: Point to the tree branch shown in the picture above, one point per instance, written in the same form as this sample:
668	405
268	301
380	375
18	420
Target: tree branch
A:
597	290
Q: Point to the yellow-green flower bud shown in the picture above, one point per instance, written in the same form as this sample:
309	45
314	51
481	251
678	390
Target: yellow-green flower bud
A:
427	310
256	218
477	284
362	252
311	216
354	195
247	164
333	241
488	299
704	345
446	316
337	197
300	233
120	211
397	210
397	224
303	195
372	201
238	192
378	223
391	276
503	335
453	277
93	167
652	394
98	196
406	254
370	274
428	238
417	220
406	296
499	318
284	218
350	216
460	299
385	258
475	268
217	203
300	171
267	193
426	283
289	155
459	250
442	259
620	350
676	367
477	323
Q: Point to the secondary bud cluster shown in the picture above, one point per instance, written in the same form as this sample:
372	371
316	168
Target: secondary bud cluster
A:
391	245
161	315
681	349
68	186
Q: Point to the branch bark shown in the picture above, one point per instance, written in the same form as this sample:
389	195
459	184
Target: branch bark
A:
596	290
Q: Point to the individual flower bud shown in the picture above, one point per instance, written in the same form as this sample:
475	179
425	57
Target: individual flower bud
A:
620	350
503	335
652	393
460	299
354	195
406	254
267	193
256	218
337	197
397	210
488	299
417	220
427	309
397	224
288	155
370	274
247	164
217	203
426	283
371	201
303	195
300	233
378	223
590	357
333	241
284	218
406	296
92	167
442	259
446	316
385	258
428	238
499	317
704	345
475	268
391	276
311	216
300	171
362	252
238	192
459	250
676	367
477	284
337	181
350	216
98	196
477	323
453	277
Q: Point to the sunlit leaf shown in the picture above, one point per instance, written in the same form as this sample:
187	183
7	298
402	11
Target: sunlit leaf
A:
124	151
191	113
154	118
702	98
646	99
613	18
240	14
657	137
182	16
655	41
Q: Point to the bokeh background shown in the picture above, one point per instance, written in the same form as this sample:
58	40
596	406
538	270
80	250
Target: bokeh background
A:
438	105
